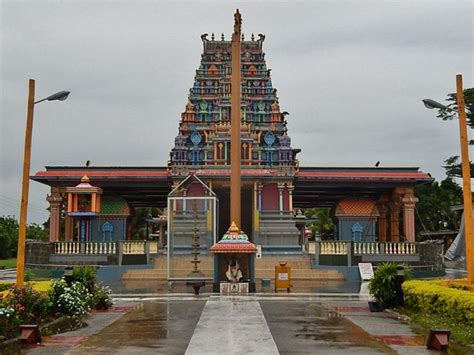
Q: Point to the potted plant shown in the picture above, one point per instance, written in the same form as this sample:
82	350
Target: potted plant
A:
383	286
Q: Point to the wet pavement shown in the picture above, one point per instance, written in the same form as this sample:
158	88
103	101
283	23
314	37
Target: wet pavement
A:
259	324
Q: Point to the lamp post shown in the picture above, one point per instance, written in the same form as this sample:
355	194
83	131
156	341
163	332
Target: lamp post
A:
20	259
466	175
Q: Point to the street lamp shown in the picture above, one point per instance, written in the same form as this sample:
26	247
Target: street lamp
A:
20	259
466	175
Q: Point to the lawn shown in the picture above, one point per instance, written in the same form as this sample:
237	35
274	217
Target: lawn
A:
7	263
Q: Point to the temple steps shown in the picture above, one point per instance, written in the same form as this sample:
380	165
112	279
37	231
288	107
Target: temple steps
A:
265	269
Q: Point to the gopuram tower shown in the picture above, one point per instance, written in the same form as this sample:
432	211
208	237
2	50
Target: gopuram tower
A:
268	162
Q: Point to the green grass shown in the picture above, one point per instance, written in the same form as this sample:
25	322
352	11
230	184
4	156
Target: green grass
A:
461	333
7	263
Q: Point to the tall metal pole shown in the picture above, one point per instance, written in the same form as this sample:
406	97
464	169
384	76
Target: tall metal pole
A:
466	176
235	154
20	259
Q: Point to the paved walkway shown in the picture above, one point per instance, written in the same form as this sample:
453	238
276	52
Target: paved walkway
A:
239	324
259	324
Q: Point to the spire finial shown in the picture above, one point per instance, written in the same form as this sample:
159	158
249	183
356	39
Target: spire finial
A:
85	178
237	22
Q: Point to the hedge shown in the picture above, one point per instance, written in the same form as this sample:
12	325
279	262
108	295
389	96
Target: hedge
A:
431	297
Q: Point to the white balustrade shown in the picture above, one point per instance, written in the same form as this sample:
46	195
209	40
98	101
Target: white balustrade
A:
134	247
366	248
88	248
334	248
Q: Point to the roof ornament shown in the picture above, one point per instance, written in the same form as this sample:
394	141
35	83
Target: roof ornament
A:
261	37
204	37
237	22
222	37
213	37
253	37
243	37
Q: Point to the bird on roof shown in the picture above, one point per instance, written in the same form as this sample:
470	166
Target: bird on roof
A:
377	164
88	163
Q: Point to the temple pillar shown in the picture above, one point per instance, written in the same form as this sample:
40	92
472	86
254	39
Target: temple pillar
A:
382	219
260	188
409	200
280	196
69	230
290	198
382	226
55	199
394	220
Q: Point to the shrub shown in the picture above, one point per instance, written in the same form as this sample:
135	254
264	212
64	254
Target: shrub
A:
383	286
86	275
102	298
73	300
28	304
433	298
22	305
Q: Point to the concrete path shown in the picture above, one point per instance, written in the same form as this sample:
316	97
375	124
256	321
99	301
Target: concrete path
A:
232	326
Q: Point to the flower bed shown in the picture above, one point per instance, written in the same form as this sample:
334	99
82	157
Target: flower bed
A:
433	298
41	301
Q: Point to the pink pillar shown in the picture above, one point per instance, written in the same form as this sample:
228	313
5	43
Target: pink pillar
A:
409	201
55	201
394	221
382	230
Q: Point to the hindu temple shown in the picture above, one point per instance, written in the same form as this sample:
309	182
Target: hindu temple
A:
368	204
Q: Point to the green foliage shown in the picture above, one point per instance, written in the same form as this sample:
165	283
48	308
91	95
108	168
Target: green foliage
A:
37	232
323	225
74	300
432	298
453	168
138	223
8	237
102	298
382	286
22	305
434	206
452	110
86	275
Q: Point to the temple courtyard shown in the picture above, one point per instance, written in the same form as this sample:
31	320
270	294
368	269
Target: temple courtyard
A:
259	324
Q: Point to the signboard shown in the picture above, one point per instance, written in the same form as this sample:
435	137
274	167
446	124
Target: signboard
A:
366	271
283	276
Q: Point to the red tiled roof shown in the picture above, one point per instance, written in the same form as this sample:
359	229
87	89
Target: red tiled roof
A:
103	173
363	175
356	207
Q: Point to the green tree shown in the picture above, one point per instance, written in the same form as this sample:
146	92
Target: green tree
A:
138	221
8	237
323	225
434	206
453	166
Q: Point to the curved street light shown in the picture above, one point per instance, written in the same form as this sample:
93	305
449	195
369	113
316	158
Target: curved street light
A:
466	174
20	259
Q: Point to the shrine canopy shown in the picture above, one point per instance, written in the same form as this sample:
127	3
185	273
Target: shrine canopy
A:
234	242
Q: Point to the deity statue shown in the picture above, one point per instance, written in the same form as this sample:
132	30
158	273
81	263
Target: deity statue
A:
234	274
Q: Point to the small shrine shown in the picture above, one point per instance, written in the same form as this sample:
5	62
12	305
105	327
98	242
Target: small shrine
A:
234	256
84	204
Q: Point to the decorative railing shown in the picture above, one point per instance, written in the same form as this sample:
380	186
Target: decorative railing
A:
334	248
106	248
363	248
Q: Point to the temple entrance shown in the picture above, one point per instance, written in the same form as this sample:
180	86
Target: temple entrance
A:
224	221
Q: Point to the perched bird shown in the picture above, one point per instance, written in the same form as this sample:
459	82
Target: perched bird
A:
377	164
88	163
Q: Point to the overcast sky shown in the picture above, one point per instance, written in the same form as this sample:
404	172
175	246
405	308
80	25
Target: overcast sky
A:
351	74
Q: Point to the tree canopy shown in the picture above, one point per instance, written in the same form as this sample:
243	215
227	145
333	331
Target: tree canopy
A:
453	166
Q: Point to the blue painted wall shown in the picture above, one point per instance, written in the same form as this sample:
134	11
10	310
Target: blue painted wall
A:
119	229
345	230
